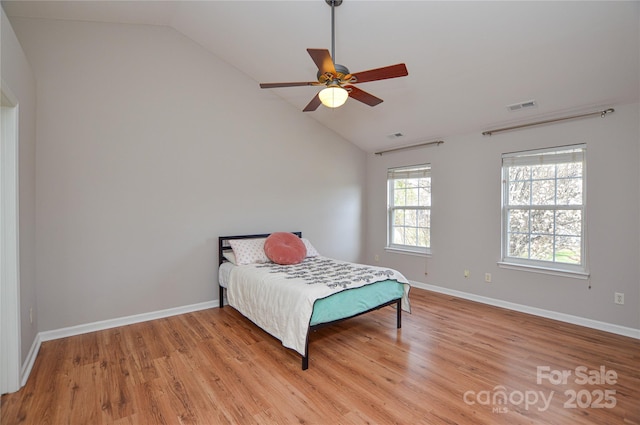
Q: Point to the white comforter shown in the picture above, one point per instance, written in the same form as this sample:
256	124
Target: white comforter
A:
280	299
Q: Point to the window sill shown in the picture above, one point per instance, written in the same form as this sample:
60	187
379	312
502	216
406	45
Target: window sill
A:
407	252
544	270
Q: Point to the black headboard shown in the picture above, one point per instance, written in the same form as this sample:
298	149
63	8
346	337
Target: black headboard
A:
223	242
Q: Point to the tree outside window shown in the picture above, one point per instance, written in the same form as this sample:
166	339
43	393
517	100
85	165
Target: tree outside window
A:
543	208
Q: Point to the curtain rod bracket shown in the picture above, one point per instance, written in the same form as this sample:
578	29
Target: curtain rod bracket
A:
516	127
605	112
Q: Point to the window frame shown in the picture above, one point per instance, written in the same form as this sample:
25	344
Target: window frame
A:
424	168
544	266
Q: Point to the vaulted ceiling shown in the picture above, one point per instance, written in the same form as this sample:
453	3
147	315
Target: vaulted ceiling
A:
466	60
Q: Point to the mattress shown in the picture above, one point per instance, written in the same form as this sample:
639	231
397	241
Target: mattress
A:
343	304
224	273
286	300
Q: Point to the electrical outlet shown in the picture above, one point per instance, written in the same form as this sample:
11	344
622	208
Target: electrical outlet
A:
618	298
376	258
466	273
31	315
487	277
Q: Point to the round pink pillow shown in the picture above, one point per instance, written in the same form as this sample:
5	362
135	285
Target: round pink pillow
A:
285	248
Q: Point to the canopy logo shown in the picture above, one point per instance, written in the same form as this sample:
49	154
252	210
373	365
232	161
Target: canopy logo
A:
499	398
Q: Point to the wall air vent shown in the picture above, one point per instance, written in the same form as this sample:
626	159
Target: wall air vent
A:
522	105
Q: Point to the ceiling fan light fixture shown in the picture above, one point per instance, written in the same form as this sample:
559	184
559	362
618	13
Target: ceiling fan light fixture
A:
333	96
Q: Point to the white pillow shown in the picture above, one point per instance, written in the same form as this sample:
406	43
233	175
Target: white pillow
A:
311	251
229	256
249	251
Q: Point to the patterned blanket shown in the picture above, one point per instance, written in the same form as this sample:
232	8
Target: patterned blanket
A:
280	298
330	272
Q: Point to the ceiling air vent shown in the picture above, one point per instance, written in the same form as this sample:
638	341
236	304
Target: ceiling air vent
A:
395	135
523	105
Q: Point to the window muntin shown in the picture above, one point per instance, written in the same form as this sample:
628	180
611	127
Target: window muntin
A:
543	208
409	208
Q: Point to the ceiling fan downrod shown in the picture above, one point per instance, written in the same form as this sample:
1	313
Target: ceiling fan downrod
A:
333	4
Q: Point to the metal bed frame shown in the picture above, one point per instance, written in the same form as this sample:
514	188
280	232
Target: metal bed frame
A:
223	245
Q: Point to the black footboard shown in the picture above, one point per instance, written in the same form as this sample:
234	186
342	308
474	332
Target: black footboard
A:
398	302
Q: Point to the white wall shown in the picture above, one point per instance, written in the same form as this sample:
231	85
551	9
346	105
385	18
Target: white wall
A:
18	76
466	218
149	148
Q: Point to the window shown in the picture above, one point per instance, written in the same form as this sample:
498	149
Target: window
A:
409	208
543	208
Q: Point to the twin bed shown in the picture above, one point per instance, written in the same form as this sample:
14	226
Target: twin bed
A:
291	299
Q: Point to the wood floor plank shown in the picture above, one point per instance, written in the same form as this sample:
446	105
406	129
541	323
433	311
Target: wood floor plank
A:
453	362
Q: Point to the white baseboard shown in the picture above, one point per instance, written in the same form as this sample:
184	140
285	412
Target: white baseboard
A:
123	321
102	325
568	318
30	360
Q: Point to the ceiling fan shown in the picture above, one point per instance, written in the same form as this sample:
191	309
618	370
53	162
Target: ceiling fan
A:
337	79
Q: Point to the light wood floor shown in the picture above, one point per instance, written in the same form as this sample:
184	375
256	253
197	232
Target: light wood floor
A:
447	365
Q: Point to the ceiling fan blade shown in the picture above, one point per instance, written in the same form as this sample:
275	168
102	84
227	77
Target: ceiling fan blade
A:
363	96
313	105
275	85
392	71
323	61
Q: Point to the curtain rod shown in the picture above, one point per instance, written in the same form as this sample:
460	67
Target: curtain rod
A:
419	145
515	127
